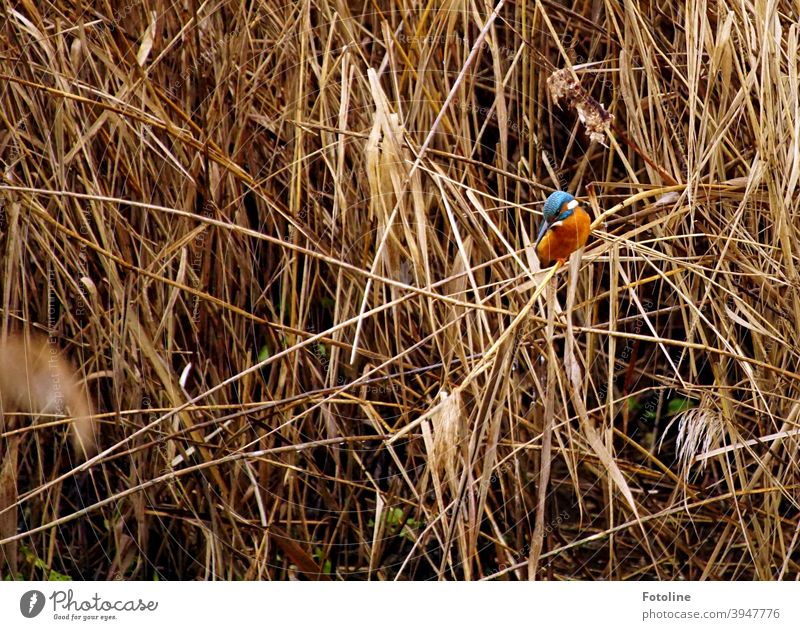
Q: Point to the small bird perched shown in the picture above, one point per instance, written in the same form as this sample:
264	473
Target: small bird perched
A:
565	228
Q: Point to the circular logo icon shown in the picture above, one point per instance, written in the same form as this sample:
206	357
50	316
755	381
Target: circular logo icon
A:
31	604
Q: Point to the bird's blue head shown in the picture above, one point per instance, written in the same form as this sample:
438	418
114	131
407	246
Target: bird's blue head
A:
554	207
555	203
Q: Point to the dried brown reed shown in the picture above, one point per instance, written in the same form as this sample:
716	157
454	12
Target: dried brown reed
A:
272	235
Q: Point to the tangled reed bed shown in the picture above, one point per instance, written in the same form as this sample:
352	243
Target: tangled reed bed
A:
289	245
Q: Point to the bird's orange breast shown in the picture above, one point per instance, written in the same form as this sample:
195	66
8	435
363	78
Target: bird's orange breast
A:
565	237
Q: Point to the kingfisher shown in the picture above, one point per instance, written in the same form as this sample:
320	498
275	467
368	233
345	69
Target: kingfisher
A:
565	228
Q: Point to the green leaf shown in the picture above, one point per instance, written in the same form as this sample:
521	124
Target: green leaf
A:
55	576
52	575
327	567
679	405
394	516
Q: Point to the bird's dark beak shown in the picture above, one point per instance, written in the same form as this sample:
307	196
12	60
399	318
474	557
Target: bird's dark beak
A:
542	231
